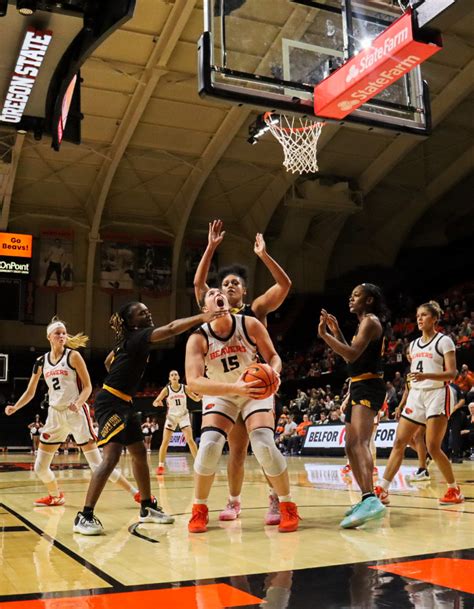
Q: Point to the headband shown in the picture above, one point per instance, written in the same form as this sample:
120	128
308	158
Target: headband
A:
54	326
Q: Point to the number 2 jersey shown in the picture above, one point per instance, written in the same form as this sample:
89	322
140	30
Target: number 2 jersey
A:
228	356
61	379
429	358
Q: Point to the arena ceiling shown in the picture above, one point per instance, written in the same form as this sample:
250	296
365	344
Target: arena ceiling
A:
157	157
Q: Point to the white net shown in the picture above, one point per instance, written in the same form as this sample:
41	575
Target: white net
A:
299	139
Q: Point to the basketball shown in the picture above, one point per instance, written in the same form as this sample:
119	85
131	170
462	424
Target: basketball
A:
267	377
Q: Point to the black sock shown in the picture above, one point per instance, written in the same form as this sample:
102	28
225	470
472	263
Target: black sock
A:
88	512
367	495
420	470
147	503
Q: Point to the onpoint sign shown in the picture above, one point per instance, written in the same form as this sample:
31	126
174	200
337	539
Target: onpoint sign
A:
32	54
391	55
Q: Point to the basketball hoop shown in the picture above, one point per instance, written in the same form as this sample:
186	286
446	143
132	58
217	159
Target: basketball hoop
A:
299	139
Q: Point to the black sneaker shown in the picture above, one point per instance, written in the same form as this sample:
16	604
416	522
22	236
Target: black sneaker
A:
87	525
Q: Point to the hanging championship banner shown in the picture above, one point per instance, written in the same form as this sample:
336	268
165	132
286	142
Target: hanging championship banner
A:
192	255
56	267
142	264
154	268
117	263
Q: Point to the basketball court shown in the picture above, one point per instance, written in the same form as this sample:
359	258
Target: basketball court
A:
362	81
419	555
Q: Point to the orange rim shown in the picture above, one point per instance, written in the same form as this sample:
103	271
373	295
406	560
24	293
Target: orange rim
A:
268	115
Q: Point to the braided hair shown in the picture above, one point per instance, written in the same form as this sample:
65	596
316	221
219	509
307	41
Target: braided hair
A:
378	306
120	321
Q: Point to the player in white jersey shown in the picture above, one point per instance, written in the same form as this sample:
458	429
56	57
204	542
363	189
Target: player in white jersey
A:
432	366
69	386
216	357
175	394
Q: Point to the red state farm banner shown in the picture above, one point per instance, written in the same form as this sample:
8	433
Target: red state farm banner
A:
391	55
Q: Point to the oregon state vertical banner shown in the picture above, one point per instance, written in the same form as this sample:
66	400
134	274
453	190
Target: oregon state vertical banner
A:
56	264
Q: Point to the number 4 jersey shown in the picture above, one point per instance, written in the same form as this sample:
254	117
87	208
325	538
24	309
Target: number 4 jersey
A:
228	356
429	358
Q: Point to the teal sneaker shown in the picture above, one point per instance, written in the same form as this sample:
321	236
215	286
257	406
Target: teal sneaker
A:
351	509
370	509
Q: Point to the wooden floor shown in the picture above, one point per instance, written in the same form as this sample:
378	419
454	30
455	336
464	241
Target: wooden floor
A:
41	557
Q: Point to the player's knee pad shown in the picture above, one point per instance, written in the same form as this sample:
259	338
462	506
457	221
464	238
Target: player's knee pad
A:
42	466
265	451
210	450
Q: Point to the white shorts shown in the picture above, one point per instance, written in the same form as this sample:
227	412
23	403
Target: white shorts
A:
60	423
423	404
231	408
173	420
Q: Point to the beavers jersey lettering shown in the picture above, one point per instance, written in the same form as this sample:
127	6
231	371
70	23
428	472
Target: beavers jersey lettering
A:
62	380
176	401
429	358
227	357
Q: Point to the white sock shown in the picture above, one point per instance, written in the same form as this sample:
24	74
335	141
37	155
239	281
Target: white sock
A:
453	485
200	501
133	491
232	499
284	498
385	484
271	492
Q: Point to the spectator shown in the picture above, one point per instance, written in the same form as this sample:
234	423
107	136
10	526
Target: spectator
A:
323	419
295	443
399	384
288	432
467	433
334	417
391	396
456	423
465	379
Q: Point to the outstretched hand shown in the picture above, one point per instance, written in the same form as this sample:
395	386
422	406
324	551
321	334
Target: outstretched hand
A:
208	316
333	324
10	409
323	324
259	247
216	234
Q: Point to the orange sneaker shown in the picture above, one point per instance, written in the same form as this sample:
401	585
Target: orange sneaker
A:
452	496
288	517
50	501
160	470
346	469
382	494
199	519
137	497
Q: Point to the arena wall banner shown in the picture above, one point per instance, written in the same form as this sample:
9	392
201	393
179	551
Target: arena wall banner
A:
56	264
320	437
192	255
177	440
131	263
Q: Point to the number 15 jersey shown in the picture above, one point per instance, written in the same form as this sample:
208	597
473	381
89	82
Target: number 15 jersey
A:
429	358
228	356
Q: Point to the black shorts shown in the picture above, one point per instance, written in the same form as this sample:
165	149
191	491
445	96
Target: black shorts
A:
369	393
117	422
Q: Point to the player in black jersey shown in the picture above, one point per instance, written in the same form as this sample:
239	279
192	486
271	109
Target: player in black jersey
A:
367	391
118	425
233	282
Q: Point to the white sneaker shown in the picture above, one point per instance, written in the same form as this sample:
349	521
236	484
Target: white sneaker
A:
155	515
420	475
87	526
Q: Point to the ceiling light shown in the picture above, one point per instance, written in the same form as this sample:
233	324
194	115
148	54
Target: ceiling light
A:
26	7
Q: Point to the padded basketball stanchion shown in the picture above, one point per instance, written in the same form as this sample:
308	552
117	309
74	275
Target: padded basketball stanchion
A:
299	139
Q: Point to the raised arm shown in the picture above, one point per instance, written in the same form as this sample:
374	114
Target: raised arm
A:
158	401
275	295
214	239
29	393
369	329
